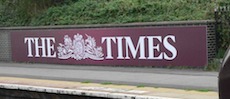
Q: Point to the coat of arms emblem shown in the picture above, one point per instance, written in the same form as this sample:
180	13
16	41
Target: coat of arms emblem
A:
79	49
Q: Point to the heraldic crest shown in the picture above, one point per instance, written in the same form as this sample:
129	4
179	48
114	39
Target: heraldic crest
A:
79	49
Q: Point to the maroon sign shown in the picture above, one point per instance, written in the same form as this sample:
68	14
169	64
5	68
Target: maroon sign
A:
139	46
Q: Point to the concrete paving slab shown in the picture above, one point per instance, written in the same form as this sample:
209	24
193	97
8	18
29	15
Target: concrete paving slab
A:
154	77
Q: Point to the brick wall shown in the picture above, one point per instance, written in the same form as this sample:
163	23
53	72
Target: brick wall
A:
5	46
211	38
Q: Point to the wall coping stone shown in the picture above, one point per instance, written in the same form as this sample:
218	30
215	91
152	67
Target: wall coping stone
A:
136	24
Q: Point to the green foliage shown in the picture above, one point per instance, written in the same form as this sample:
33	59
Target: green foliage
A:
213	65
223	2
220	53
223	28
199	90
108	11
107	83
124	11
20	12
86	82
225	37
140	86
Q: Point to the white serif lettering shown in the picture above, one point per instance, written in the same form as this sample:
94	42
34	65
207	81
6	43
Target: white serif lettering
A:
46	44
145	45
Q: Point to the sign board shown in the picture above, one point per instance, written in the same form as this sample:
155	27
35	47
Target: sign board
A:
130	46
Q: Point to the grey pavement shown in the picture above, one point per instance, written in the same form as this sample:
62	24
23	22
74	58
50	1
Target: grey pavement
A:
155	77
